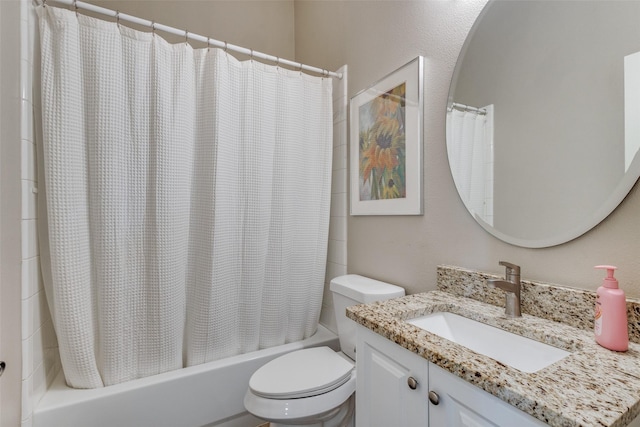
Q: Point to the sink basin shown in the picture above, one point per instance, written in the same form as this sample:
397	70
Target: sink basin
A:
521	353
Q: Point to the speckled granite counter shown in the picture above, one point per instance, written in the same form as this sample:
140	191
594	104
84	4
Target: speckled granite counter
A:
591	387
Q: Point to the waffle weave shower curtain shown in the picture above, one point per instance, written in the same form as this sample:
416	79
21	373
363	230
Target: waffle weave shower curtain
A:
470	150
187	199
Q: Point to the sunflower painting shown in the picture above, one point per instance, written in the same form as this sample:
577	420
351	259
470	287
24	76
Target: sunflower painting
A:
385	144
382	160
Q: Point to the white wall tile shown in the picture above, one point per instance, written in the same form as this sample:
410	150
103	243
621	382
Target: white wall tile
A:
30	282
328	317
27	358
337	252
28	161
26	80
27	320
29	200
27	399
338	228
338	205
339	181
35	312
340	133
30	247
52	365
39	384
340	157
31	277
335	270
38	350
339	110
36	89
49	339
26	121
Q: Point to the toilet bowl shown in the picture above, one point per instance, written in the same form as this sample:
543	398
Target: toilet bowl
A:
315	387
320	396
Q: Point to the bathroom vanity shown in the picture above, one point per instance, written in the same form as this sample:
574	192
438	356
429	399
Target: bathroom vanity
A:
398	387
409	376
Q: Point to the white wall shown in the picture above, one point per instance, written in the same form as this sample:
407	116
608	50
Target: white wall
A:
374	38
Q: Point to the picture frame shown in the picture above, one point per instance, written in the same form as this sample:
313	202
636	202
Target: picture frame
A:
386	150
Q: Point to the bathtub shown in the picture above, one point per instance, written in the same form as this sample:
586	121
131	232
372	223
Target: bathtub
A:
210	394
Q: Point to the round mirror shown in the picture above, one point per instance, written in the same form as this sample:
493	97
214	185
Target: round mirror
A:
543	120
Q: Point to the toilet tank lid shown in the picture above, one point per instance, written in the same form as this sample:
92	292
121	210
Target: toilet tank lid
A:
363	289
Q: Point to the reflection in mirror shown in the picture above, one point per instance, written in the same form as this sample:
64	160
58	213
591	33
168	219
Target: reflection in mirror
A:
543	124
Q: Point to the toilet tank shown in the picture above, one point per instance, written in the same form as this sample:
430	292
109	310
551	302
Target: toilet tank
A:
354	289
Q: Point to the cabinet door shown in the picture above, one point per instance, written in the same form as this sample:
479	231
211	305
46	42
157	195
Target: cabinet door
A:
384	397
461	404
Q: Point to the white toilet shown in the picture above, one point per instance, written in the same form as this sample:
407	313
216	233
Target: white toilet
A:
315	386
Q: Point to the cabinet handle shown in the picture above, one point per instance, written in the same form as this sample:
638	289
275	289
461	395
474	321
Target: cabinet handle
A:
433	397
413	383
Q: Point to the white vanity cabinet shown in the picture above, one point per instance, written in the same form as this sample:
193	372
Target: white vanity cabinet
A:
393	385
461	404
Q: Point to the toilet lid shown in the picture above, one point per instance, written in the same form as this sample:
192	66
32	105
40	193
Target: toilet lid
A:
301	373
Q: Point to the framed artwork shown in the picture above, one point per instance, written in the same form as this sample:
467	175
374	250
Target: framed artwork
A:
386	144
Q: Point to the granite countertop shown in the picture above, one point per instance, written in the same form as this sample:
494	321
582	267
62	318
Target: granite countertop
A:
592	386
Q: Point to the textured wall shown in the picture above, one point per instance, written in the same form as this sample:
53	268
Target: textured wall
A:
263	25
374	38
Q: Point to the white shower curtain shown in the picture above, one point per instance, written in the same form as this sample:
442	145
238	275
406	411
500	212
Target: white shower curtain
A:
470	150
187	199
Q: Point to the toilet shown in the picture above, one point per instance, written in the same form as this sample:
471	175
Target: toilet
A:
315	387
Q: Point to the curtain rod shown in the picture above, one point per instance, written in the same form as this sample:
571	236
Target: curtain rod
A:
467	108
185	33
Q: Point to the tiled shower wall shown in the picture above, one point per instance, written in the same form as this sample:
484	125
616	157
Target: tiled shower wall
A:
40	359
337	254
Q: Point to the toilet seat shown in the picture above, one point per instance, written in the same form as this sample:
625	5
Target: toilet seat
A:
301	410
301	374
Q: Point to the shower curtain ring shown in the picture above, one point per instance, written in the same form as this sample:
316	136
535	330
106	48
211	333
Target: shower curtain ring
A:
75	6
226	46
186	36
208	44
251	56
118	18
277	61
153	27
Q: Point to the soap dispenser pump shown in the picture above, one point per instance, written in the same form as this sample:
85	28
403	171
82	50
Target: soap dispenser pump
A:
610	327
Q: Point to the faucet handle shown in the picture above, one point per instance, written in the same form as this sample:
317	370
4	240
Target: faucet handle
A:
512	269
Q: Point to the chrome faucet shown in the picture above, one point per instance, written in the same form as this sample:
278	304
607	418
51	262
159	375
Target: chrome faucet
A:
511	286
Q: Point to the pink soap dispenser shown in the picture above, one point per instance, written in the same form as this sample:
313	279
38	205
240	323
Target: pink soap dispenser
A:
610	326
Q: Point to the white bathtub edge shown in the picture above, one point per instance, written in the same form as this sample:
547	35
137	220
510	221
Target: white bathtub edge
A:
194	396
